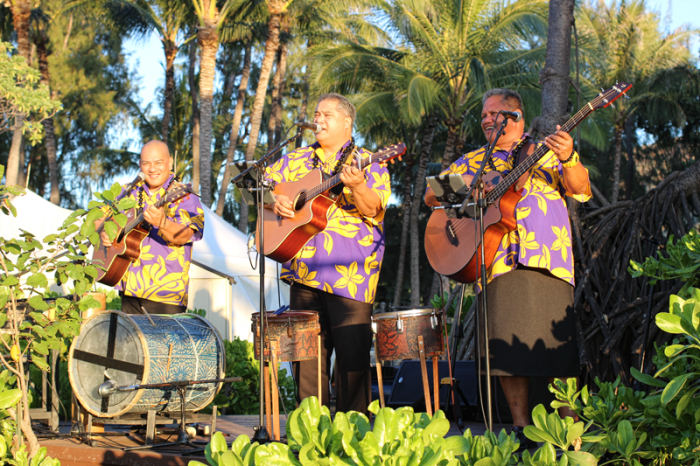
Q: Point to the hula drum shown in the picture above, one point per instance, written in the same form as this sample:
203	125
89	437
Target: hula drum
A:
290	336
411	334
130	350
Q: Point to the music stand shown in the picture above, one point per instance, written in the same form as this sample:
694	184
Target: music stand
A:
253	180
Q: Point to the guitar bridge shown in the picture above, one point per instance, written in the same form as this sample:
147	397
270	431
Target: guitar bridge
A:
451	233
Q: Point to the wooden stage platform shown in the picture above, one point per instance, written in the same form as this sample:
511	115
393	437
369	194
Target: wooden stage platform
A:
108	449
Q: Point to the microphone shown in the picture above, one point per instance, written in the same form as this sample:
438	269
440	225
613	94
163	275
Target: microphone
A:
312	126
515	116
140	177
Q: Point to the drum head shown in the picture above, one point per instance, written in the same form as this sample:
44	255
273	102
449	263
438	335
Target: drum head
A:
110	347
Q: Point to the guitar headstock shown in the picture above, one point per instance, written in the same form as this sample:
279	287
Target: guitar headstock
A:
609	96
178	191
389	153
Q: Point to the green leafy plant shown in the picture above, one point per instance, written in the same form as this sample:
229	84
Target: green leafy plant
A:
244	395
36	321
681	261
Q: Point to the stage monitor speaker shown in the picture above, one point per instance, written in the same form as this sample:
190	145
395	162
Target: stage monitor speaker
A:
408	383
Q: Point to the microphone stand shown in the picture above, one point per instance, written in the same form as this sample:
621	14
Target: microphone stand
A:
261	434
477	185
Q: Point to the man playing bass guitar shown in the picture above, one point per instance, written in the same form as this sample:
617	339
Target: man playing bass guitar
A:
531	279
337	271
159	279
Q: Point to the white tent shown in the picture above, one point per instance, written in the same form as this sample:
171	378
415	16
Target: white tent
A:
222	281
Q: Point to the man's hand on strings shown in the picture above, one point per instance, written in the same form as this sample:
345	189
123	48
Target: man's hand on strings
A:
283	206
351	176
154	216
560	143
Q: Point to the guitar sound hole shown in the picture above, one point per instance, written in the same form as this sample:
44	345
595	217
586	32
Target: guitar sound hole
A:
300	201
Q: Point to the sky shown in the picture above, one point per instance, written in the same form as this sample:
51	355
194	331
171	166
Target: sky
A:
146	56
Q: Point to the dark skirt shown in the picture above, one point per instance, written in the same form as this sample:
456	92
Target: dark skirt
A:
532	327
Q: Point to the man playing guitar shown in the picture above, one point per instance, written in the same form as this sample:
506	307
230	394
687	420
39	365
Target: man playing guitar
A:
159	279
530	290
336	273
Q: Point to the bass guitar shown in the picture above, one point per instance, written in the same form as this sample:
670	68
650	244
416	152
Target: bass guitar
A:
450	243
311	200
112	262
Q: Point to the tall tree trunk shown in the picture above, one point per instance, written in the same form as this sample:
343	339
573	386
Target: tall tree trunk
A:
170	50
274	102
195	114
616	161
555	75
283	76
304	96
630	144
451	153
271	46
235	127
209	41
21	10
49	132
418	191
223	111
405	226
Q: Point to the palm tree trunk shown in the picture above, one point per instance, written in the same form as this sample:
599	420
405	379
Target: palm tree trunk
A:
555	75
405	226
282	66
304	95
630	144
49	131
271	46
209	41
195	115
170	50
223	111
235	127
274	103
616	162
21	10
450	153
418	191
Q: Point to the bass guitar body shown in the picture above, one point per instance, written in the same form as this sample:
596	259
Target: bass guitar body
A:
113	262
450	242
285	237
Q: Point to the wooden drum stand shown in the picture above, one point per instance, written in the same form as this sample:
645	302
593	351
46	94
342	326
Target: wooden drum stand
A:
291	336
412	334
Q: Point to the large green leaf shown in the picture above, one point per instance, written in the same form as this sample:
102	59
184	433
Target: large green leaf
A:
669	323
10	398
646	378
675	386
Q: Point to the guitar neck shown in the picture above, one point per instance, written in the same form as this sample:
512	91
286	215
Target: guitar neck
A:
335	179
526	164
139	218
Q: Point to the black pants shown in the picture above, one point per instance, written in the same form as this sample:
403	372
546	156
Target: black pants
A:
345	326
132	305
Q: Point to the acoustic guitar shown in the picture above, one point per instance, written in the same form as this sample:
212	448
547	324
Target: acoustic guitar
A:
113	262
450	242
311	199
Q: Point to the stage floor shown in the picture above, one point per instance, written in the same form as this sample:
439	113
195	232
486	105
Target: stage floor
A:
108	450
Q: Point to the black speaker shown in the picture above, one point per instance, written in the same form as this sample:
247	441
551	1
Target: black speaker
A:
408	383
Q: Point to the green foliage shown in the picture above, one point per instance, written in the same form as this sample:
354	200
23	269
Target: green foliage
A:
682	261
244	395
199	312
21	95
21	458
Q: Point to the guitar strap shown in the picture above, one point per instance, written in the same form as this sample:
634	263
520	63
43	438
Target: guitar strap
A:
521	152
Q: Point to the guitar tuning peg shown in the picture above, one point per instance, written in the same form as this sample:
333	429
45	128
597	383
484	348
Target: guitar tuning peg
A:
626	96
612	105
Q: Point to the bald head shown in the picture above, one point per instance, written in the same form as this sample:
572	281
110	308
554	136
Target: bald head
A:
155	163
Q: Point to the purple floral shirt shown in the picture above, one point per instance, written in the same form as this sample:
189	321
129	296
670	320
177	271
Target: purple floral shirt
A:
346	257
161	273
542	238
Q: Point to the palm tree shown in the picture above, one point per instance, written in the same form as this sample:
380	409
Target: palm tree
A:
448	52
21	12
622	42
210	21
165	18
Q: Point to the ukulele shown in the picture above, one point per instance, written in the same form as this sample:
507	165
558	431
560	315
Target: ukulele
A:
311	200
112	262
449	242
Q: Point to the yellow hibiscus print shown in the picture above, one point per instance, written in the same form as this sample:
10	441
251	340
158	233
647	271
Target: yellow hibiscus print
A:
306	277
563	241
349	278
